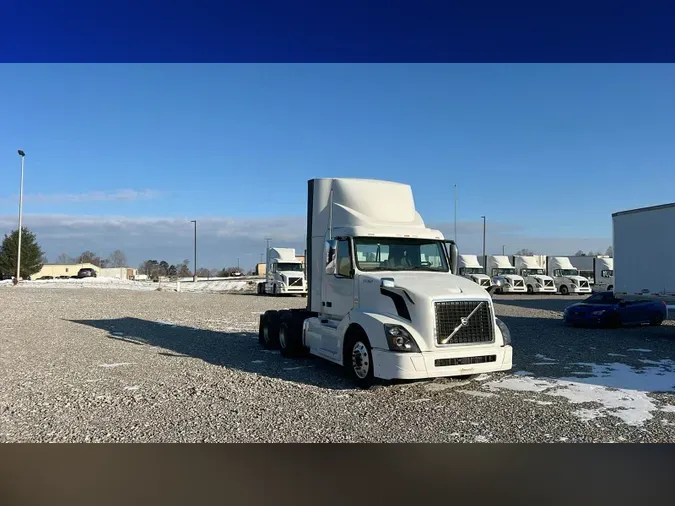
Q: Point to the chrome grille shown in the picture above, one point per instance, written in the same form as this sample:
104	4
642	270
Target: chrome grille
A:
583	284
444	362
548	283
478	328
484	282
518	282
295	282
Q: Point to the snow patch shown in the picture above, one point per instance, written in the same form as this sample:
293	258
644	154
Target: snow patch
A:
622	391
544	357
257	361
482	377
132	388
481	439
616	355
116	364
641	350
541	403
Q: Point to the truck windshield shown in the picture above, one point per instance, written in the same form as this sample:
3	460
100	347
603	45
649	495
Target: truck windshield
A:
289	266
569	272
607	274
532	272
471	270
506	270
396	254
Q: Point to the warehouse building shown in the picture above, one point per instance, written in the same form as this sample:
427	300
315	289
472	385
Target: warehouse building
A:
62	270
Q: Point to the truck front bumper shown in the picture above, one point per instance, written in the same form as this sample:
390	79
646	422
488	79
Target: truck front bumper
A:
514	289
291	289
544	289
579	289
457	362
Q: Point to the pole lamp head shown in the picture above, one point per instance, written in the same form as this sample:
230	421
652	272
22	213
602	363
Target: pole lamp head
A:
21	153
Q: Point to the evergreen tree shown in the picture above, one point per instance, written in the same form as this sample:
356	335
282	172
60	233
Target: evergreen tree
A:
31	253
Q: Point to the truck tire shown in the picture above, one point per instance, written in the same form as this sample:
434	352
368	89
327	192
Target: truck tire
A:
610	288
268	332
530	290
614	321
564	290
358	359
274	290
290	340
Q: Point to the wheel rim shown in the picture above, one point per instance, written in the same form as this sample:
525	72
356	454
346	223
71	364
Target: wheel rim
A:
360	360
282	337
266	333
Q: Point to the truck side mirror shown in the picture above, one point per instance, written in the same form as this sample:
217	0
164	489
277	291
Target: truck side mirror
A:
330	247
453	254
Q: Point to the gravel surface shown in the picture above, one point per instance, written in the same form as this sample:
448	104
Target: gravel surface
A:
123	365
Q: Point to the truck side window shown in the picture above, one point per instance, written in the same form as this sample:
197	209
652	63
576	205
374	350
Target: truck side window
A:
557	273
344	259
495	272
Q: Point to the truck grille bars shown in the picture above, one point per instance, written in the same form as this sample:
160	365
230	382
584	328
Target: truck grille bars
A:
463	322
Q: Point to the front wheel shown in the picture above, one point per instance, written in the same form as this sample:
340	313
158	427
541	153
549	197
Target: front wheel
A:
530	290
564	290
359	361
656	320
614	321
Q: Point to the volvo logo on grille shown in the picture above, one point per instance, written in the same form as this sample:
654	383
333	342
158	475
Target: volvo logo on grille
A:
464	321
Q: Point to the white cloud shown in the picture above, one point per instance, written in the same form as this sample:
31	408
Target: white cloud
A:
125	195
222	240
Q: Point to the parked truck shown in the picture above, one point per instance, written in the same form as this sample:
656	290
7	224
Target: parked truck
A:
284	274
533	272
470	268
599	270
383	299
504	275
640	237
566	276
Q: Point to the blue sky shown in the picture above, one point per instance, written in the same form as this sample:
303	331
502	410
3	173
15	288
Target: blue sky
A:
546	152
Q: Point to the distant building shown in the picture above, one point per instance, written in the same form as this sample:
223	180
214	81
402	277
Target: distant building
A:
62	270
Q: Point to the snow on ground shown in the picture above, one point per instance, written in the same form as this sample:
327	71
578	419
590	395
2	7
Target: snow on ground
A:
619	389
229	285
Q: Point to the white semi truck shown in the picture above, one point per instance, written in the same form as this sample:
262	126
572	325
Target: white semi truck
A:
470	268
599	270
284	274
383	300
533	272
504	275
566	276
641	237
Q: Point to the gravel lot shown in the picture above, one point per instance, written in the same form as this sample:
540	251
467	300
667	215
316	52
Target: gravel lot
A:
124	365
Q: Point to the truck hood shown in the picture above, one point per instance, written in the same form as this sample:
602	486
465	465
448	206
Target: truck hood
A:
429	285
578	279
415	294
541	277
510	277
292	274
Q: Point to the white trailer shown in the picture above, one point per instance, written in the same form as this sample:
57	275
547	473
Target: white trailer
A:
599	270
284	274
504	275
470	268
383	300
534	274
644	242
566	276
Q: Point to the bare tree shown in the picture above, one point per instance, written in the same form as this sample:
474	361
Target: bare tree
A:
580	254
183	270
117	259
65	259
525	252
610	251
89	257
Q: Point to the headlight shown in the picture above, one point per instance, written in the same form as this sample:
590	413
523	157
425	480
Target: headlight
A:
399	339
507	281
573	282
506	334
538	285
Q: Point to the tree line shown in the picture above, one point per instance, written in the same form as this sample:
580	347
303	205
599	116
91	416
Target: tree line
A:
116	259
154	269
609	252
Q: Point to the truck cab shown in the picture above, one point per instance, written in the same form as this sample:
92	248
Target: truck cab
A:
284	273
534	274
383	300
599	270
566	276
504	275
470	268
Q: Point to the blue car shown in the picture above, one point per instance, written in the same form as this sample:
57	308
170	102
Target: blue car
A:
603	309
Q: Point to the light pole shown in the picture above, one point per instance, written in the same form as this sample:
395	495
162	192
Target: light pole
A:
18	254
455	214
194	274
484	257
503	250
